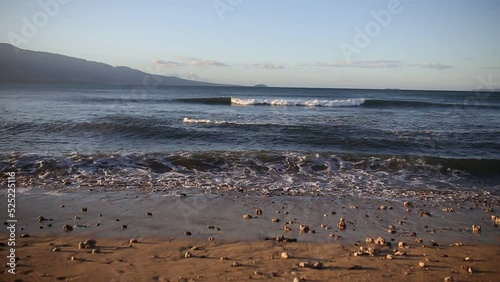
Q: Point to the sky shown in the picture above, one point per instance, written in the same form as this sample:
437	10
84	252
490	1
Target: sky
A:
408	44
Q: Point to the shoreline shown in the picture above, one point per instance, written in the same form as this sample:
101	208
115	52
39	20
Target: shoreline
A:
216	224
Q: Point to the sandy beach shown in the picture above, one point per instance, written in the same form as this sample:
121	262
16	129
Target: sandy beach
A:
224	237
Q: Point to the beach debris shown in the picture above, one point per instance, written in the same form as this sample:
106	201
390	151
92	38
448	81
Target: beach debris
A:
391	231
90	243
73	258
235	264
149	214
468	269
296	279
194	248
62	206
281	239
458	244
285	255
211	227
132	241
468	259
419	240
476	228
211	239
382	208
488	210
407	204
304	264
497	219
84	209
187	233
247	216
287	228
304	228
67	227
369	251
25	235
77	218
81	245
223	258
402	245
353	207
41	218
448	279
448	210
341	225
275	220
421	264
124	226
317	265
96	251
399	253
389	256
369	240
188	254
258	212
380	241
56	249
423	213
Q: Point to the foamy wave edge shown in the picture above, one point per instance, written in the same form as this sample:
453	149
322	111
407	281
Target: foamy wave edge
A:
305	103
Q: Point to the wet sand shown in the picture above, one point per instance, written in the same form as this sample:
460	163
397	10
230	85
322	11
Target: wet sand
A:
161	224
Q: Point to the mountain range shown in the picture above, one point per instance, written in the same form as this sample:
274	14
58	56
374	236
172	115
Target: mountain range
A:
25	66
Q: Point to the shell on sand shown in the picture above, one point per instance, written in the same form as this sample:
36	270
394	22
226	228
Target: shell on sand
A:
341	225
476	228
380	241
304	228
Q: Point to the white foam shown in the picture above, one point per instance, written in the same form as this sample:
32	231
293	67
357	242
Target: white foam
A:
306	103
188	120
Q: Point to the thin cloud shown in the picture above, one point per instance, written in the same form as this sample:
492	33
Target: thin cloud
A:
376	64
267	66
167	64
436	66
490	68
192	61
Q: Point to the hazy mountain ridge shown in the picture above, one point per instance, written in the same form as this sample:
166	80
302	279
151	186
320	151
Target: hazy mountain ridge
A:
18	65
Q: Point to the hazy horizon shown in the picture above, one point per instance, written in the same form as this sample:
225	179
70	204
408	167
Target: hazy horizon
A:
445	45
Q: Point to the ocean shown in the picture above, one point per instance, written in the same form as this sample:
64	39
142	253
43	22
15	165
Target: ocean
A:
268	141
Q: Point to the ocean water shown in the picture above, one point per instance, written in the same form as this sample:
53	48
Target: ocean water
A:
294	141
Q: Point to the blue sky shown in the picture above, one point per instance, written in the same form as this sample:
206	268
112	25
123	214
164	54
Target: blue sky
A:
419	44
